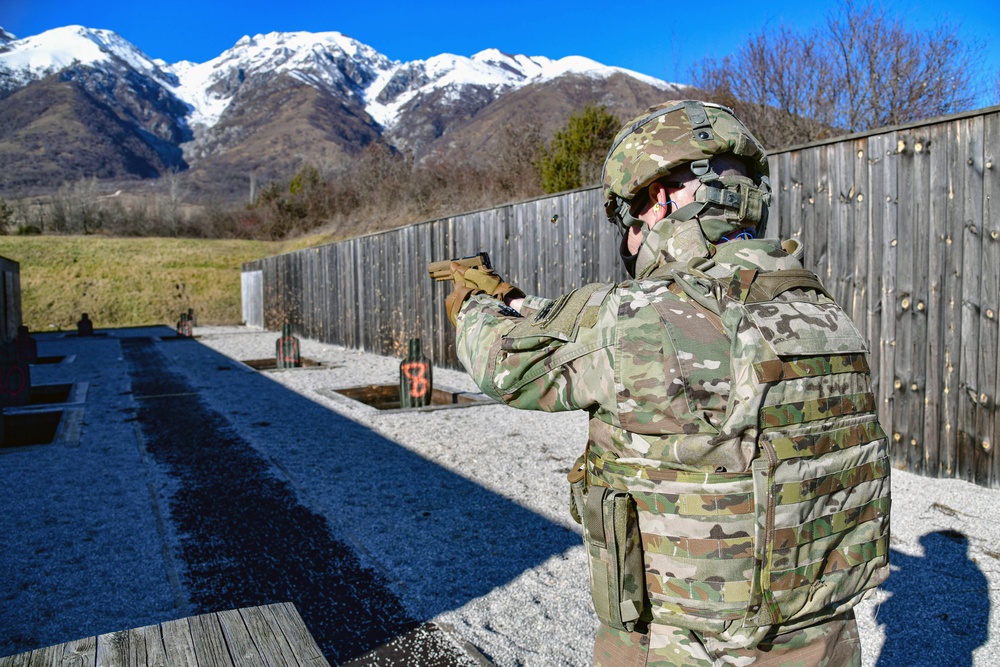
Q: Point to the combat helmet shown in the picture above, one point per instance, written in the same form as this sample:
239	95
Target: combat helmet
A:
681	133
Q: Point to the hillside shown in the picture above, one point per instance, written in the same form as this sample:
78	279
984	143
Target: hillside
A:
130	282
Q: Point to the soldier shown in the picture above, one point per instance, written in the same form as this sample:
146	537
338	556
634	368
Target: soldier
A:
734	491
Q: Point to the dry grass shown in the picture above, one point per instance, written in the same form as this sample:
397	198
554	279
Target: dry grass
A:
130	282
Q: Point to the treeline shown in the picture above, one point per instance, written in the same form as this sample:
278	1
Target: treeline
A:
862	68
382	188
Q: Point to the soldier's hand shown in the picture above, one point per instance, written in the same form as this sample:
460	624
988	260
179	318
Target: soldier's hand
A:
469	281
460	292
486	280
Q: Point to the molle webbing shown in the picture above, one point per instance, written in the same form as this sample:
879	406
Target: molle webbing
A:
839	560
697	505
775	370
837	522
626	477
729	593
823	442
811	489
692	547
820	408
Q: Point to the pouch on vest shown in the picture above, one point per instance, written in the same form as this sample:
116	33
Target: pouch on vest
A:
577	479
617	575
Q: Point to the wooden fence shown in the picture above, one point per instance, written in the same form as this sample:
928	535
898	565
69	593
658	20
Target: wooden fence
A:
373	292
902	225
10	298
898	223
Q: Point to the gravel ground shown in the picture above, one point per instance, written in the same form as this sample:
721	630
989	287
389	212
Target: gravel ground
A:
461	513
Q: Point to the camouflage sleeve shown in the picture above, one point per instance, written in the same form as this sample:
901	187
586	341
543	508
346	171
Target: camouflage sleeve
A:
533	305
559	358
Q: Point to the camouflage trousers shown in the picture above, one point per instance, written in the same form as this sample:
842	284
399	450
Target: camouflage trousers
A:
832	644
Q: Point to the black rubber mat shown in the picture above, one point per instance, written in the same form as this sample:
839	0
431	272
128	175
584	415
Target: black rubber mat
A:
246	540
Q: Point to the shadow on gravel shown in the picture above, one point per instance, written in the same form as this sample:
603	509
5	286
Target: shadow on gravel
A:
939	608
306	511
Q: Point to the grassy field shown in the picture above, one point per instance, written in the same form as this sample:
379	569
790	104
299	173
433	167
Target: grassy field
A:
128	281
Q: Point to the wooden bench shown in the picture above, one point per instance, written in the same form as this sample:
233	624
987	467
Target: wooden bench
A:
267	636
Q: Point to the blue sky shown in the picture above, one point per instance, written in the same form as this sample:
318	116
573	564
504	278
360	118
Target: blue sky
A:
660	39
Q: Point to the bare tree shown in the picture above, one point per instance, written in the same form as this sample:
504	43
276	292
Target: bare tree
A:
513	168
890	75
778	83
862	69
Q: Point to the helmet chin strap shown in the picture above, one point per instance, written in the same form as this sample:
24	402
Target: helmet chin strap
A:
628	260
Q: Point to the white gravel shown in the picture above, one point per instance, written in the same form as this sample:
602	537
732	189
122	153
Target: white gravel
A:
82	552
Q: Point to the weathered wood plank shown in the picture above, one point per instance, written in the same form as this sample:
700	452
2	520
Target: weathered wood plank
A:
136	648
306	650
991	213
268	637
840	224
242	648
907	412
971	147
937	274
45	657
156	653
950	387
350	268
80	653
860	233
775	215
874	205
16	660
887	340
178	644
919	230
815	194
126	648
989	304
209	642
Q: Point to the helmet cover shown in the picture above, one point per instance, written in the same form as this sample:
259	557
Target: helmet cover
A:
669	136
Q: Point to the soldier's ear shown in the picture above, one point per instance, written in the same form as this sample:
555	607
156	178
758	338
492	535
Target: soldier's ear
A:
657	193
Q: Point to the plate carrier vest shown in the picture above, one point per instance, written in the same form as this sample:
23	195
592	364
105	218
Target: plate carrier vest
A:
797	539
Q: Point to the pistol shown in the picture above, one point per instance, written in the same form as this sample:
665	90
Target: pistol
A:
442	270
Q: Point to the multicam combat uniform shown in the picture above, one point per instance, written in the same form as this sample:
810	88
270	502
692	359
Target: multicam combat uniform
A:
654	370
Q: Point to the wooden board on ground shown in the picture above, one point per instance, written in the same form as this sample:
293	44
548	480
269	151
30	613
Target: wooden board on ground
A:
269	635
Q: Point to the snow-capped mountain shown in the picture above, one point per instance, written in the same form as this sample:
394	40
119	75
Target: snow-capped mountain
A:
285	97
59	49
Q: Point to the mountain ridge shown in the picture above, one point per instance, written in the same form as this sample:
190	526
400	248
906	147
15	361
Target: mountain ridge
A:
227	113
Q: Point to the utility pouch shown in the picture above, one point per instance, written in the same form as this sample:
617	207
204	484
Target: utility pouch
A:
577	478
617	580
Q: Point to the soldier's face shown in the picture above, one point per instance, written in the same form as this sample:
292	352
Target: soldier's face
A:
665	197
